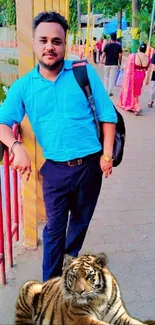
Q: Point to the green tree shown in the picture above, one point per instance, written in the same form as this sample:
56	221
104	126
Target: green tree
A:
143	5
116	7
113	7
8	10
144	21
146	5
107	7
97	5
73	16
11	12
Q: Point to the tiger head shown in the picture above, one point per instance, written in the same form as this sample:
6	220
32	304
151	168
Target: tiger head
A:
83	277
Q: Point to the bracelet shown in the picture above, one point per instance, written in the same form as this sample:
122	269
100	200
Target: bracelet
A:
14	144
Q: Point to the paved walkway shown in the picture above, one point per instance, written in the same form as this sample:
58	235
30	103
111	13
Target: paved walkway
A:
123	225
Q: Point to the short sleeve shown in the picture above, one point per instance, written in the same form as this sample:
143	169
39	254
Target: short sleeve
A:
105	49
153	59
104	106
119	48
12	110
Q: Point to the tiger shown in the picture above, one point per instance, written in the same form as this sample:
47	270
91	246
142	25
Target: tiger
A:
86	294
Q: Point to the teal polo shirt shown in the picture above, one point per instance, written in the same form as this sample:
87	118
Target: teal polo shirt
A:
59	112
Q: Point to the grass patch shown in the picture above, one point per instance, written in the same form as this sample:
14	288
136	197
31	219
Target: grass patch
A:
12	61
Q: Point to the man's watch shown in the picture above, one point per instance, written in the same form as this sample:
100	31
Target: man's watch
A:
106	157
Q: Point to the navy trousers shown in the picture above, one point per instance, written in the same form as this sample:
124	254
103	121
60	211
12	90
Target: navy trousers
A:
67	189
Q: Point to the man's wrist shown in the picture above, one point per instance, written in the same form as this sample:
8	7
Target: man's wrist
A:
107	157
15	143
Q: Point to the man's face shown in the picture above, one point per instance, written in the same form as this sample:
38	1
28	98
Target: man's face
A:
49	45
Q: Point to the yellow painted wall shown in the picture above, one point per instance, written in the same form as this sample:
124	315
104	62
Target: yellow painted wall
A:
32	191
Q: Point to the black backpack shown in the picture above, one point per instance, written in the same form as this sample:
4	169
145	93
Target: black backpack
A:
80	73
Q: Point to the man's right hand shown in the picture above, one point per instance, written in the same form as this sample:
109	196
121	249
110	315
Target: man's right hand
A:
21	161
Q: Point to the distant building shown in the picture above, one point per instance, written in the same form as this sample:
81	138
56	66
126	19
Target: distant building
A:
99	20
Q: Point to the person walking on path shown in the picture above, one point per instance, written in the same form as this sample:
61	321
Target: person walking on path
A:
105	42
63	123
135	71
94	49
112	54
152	88
99	49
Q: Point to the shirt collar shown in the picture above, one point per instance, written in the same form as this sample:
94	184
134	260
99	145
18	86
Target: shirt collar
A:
36	74
68	64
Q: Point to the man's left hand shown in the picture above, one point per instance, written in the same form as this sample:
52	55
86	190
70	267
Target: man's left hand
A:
106	167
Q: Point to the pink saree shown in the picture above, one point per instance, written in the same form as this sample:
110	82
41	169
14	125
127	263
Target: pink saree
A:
132	86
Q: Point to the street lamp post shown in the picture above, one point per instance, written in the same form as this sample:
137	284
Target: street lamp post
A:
92	35
135	29
152	22
79	19
119	31
88	30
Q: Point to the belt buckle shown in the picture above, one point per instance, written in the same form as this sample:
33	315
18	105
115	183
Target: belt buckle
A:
74	162
79	161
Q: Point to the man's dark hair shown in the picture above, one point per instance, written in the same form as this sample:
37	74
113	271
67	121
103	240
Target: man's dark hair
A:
50	17
113	37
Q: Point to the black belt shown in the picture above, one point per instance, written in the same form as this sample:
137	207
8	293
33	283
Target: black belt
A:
77	161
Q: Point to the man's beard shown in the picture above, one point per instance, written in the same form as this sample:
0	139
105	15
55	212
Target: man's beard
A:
52	67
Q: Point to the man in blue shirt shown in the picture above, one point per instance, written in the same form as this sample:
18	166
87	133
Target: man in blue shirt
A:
63	123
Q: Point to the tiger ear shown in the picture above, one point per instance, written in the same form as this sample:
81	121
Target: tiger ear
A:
101	259
68	260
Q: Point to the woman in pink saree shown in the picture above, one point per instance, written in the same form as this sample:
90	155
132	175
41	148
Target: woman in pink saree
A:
135	70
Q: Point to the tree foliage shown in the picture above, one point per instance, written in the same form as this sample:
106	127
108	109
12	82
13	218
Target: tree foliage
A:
144	21
111	8
108	7
97	6
8	12
73	16
144	5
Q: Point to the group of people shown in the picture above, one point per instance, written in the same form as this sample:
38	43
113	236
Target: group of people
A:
138	67
98	48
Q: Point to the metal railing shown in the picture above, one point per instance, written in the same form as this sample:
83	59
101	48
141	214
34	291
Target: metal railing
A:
10	209
8	44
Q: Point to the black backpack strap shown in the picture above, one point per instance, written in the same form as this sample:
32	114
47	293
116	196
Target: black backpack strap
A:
81	76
